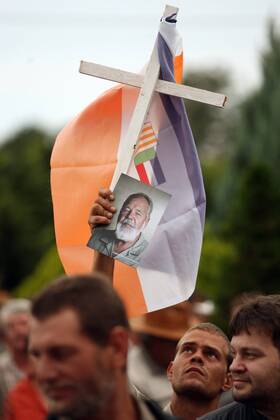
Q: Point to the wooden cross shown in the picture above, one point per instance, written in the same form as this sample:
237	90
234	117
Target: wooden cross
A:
148	83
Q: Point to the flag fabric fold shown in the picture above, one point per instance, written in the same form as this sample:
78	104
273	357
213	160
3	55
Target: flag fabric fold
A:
83	160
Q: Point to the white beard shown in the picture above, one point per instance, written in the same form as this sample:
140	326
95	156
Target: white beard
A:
127	233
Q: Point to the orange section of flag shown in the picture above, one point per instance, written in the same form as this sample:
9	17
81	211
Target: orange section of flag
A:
127	283
178	68
83	161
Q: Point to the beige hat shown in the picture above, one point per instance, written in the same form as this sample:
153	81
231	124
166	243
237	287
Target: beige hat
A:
170	323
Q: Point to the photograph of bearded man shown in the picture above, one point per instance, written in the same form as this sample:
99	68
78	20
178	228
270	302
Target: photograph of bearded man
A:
127	237
127	242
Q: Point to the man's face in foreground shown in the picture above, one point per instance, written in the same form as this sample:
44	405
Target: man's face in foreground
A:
133	219
74	373
255	369
200	365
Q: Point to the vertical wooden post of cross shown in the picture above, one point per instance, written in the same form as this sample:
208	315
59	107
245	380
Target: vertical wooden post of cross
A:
141	108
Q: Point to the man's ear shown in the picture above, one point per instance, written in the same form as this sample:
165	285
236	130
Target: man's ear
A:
146	221
228	382
119	341
169	371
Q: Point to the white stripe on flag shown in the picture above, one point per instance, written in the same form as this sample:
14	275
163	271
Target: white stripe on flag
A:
149	170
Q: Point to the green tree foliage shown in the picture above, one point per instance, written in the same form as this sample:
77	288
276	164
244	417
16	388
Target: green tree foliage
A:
214	281
245	257
247	202
213	171
25	207
209	123
48	268
218	257
251	193
254	227
255	129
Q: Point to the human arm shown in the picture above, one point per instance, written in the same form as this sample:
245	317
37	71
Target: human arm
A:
102	212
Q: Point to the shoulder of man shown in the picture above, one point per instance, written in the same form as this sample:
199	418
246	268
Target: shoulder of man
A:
152	406
233	411
157	411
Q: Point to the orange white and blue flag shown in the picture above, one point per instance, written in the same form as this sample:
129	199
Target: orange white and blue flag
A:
84	159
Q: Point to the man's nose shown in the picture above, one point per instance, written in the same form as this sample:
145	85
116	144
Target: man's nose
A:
127	214
197	357
131	213
237	365
45	369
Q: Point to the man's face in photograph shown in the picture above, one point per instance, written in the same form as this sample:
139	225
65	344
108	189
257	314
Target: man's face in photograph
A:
133	219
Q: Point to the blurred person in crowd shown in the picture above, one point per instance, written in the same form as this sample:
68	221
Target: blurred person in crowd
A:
157	335
199	373
3	299
14	362
255	331
79	342
24	401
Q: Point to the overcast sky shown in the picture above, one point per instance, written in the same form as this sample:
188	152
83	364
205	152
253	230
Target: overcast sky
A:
42	43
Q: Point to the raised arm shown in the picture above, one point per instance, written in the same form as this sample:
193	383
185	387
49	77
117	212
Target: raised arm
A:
101	213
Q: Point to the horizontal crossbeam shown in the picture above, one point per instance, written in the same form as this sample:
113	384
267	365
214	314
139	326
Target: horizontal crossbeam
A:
162	86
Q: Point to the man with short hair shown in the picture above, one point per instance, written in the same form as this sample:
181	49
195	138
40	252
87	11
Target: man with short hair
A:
126	243
14	362
255	330
79	343
157	334
199	372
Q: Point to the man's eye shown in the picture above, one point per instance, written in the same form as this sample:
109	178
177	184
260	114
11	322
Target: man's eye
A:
62	354
251	355
188	350
34	354
211	354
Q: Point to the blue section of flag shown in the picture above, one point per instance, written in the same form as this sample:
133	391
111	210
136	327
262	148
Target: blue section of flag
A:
158	172
177	115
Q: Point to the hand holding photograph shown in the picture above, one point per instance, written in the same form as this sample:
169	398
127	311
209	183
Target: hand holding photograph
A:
140	210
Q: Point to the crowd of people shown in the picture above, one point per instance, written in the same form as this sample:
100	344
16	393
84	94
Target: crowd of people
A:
72	353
